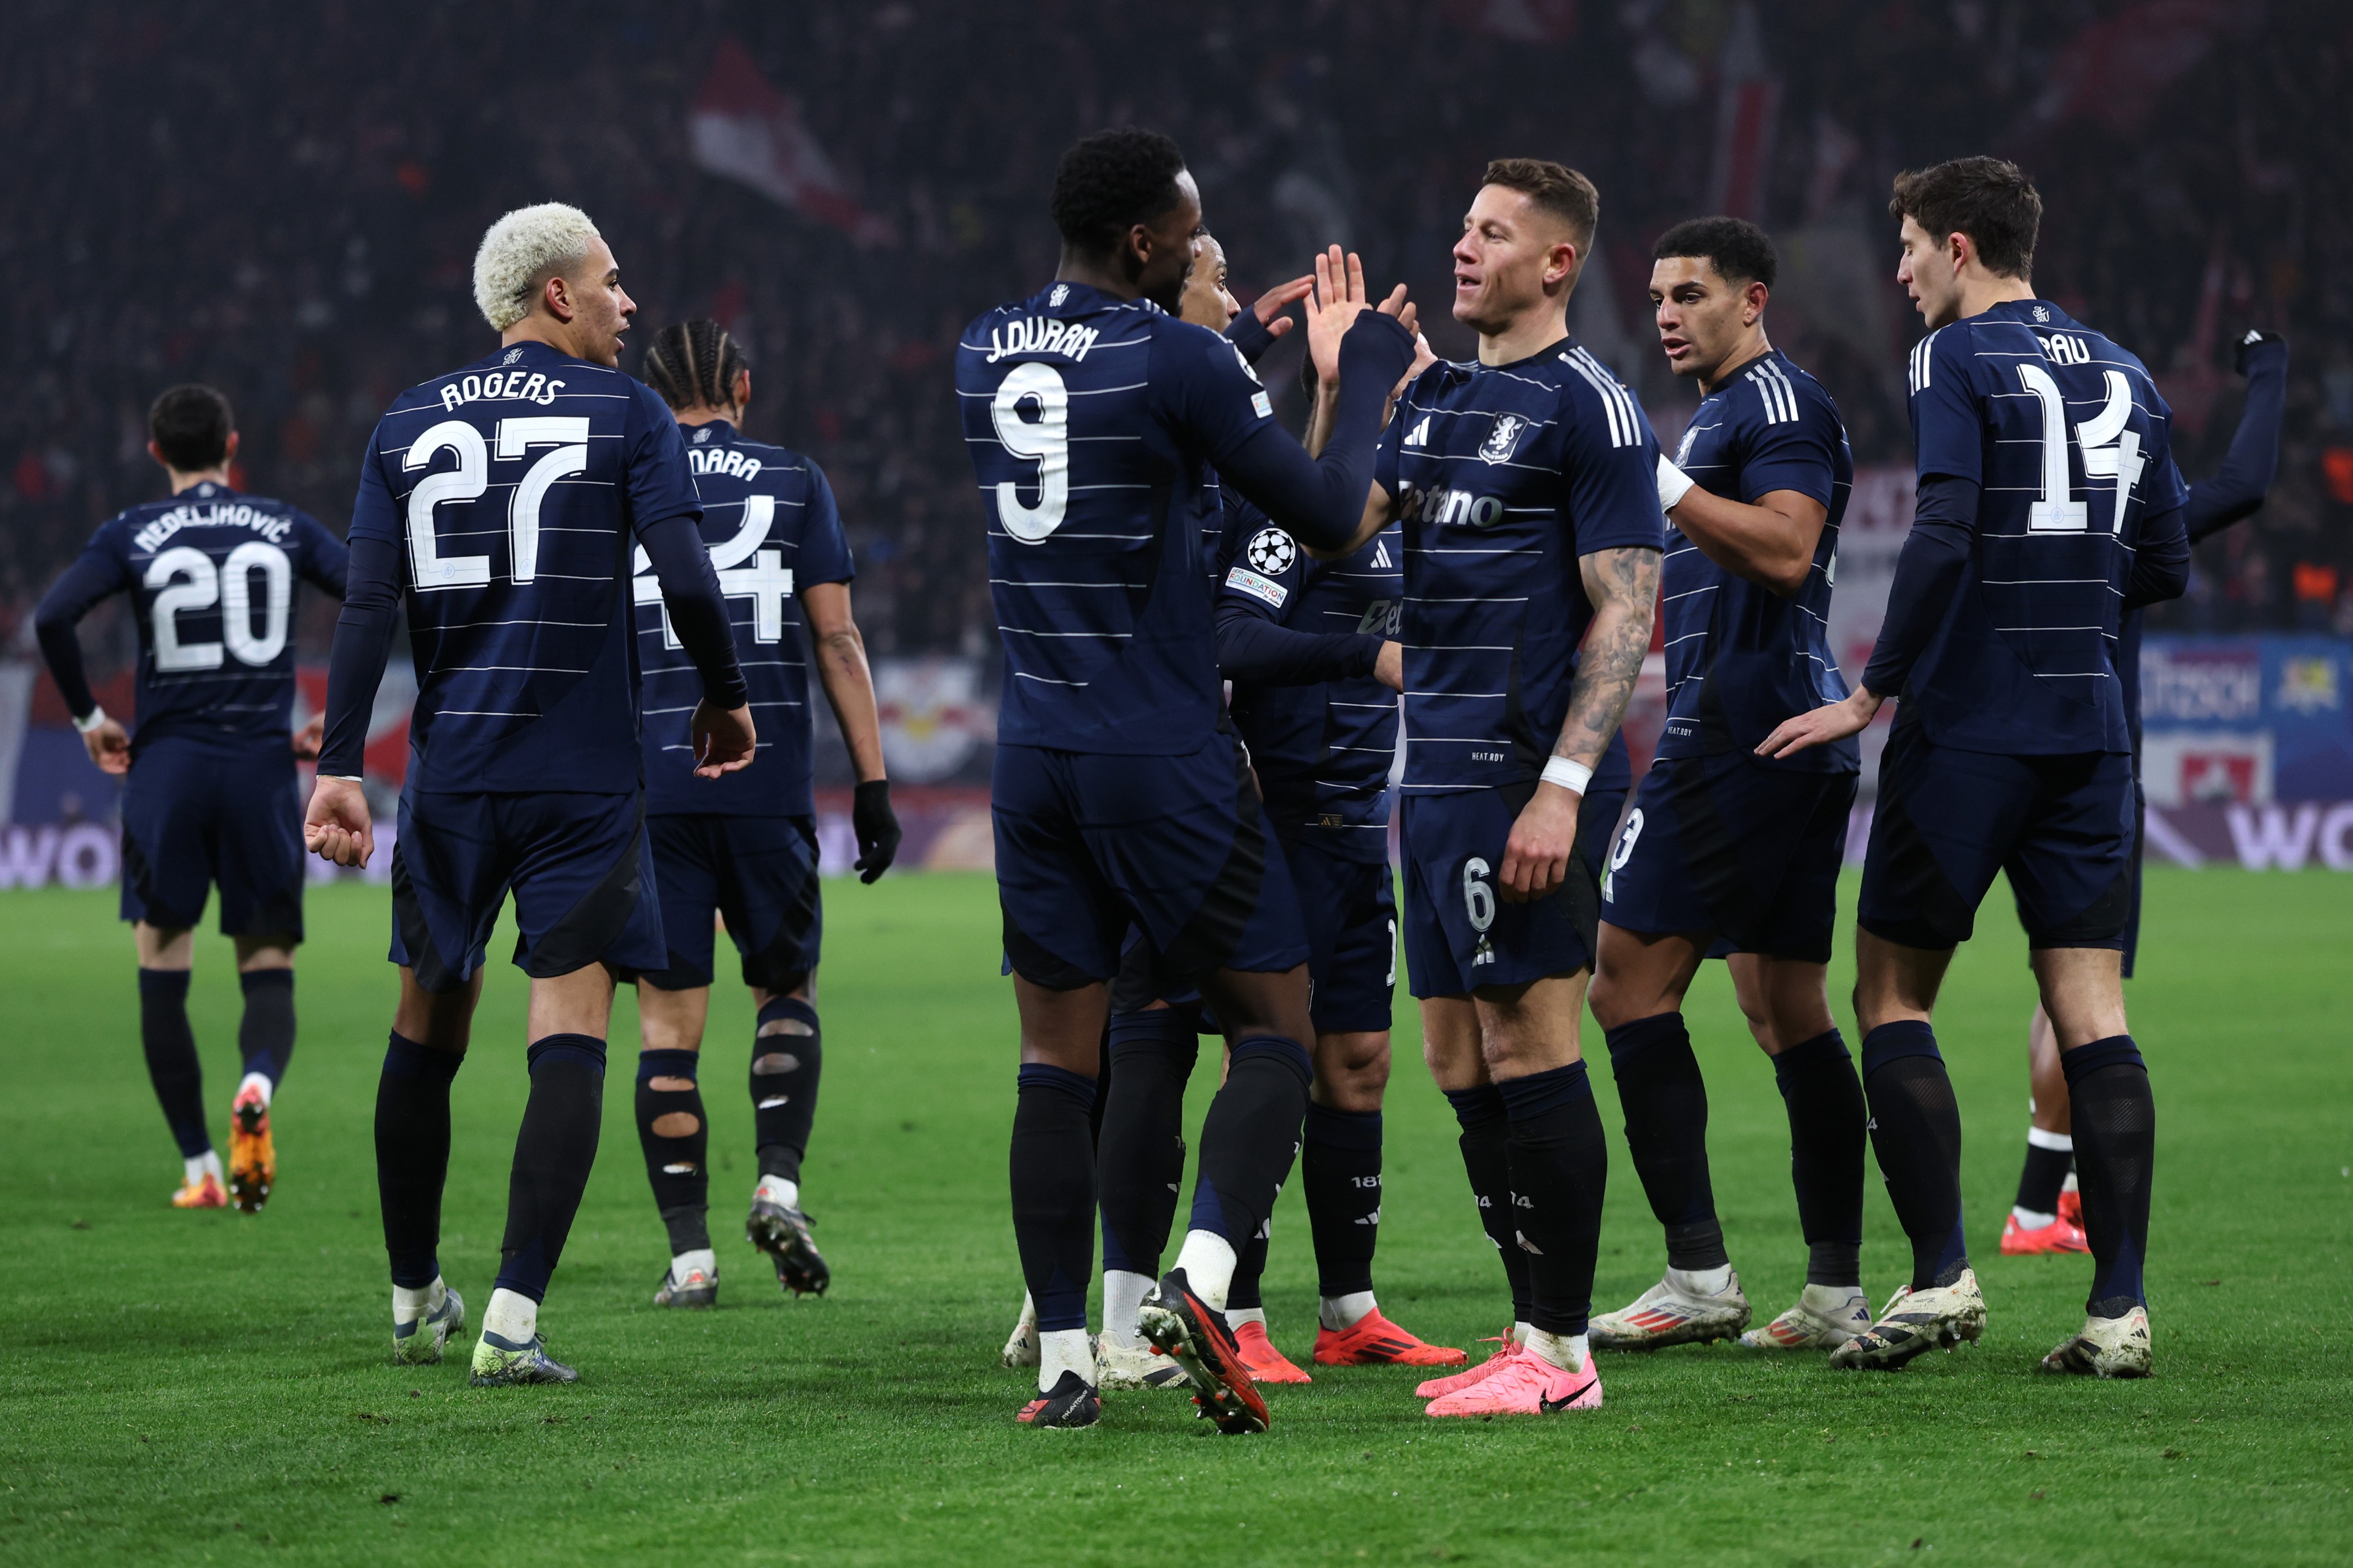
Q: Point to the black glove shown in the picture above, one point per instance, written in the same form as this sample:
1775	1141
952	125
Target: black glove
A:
877	826
2254	339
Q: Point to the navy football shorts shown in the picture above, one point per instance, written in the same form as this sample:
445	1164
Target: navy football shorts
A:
579	865
196	812
760	872
1179	847
2139	850
1349	907
2061	827
1458	932
1727	845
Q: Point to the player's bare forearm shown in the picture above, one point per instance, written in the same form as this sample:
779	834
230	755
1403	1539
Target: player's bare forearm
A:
1623	585
1771	543
849	682
1319	417
1379	508
1821	726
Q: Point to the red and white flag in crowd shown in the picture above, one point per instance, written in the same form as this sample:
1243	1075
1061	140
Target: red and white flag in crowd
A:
2115	70
743	129
1746	111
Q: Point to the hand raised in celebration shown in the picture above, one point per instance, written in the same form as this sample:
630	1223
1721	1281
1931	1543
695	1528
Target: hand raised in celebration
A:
1337	300
1270	308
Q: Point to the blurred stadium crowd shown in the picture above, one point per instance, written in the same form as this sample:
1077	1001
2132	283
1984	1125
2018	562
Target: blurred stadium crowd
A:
282	200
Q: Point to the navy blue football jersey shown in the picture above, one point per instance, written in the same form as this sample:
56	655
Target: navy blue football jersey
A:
1503	477
1322	750
1093	425
2066	435
1740	658
211	575
513	489
771	526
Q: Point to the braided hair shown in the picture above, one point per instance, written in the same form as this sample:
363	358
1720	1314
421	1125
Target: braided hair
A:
694	362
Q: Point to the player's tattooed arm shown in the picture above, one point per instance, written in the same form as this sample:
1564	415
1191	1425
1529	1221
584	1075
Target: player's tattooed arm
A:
1623	586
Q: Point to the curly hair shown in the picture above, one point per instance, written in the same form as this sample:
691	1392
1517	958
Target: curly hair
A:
1738	250
1110	181
694	362
1989	199
520	252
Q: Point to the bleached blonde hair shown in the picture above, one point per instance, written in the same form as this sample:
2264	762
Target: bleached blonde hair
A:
522	251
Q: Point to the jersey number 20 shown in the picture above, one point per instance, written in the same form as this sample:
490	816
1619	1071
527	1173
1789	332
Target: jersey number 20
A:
428	568
185	579
1046	440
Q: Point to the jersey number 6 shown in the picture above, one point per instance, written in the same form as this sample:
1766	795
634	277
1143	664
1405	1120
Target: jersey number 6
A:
428	568
1046	440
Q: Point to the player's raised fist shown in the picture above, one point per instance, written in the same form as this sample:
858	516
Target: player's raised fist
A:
724	739
337	827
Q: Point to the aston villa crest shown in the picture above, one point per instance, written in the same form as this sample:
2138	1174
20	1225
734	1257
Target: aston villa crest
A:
1504	439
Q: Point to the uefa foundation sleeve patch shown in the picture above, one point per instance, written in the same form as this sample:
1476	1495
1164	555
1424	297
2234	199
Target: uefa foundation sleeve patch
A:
1241	579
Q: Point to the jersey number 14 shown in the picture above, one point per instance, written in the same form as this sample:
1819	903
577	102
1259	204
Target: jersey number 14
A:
2110	452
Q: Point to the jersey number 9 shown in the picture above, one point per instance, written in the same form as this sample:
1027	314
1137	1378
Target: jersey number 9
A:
1045	440
428	568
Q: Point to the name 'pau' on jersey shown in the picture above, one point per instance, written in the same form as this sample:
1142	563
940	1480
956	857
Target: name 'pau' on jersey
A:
211	575
1503	477
2066	435
1094	424
772	528
1741	658
513	489
1322	750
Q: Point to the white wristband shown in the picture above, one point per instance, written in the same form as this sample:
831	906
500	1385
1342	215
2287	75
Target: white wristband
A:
1673	484
343	778
97	717
1571	776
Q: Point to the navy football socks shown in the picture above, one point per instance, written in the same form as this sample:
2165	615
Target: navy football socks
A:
171	1048
265	1035
1827	1122
1340	1174
1915	1131
554	1154
1140	1151
412	1155
677	1151
1561	1167
1249	1137
1665	1103
2115	1149
1054	1169
1486	1127
785	1068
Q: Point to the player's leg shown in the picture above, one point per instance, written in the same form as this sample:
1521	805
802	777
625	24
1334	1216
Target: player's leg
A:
430	1031
1638	985
265	1038
2073	875
767	888
1140	1167
1787	1003
2047	1216
166	955
1450	1049
586	904
1061	929
674	1133
258	827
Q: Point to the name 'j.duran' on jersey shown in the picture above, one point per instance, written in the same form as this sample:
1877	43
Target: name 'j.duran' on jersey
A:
772	528
211	574
1740	658
2071	447
514	504
1093	424
1503	477
1322	750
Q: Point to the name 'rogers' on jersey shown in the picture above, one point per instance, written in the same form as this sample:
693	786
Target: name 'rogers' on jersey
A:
513	504
1094	423
1503	477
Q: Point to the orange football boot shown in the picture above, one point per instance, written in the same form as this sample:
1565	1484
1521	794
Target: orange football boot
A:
1373	1341
1264	1363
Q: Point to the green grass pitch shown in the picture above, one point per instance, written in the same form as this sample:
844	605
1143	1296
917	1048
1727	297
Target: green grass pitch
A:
189	1387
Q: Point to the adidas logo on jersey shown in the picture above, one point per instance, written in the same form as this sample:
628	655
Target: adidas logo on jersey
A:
1381	555
1420	435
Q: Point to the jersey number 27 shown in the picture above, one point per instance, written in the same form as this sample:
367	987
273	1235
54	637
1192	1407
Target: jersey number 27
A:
428	568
